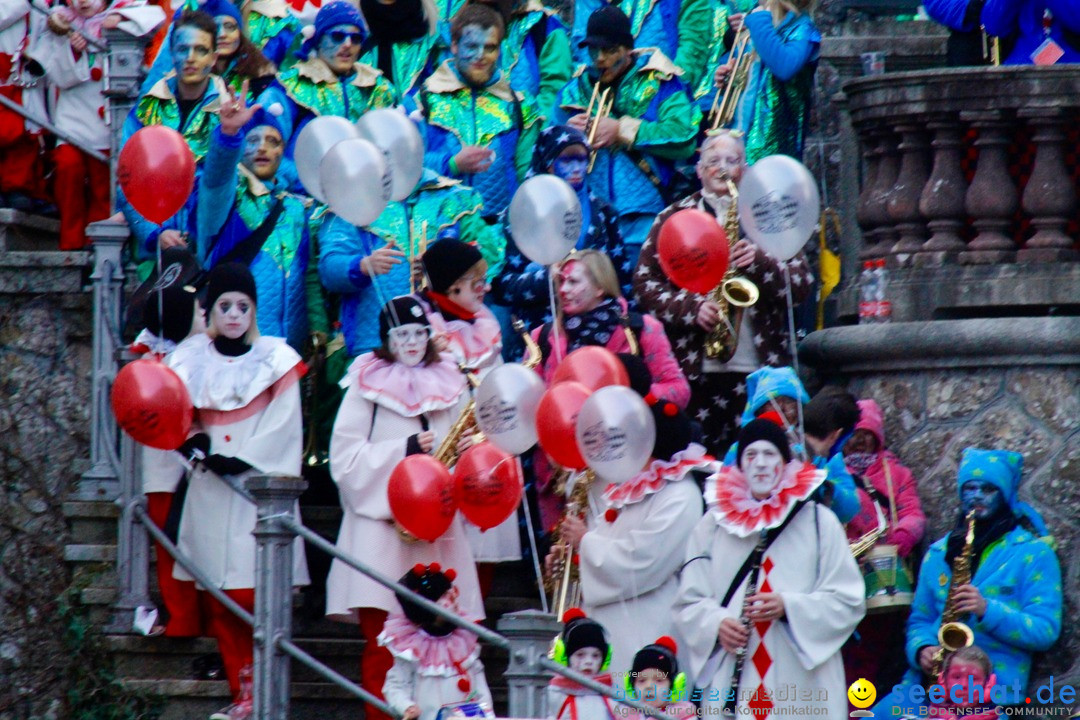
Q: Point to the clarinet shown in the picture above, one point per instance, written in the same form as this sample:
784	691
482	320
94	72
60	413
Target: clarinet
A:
731	702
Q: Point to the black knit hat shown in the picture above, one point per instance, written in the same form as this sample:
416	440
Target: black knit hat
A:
178	268
432	583
762	429
400	311
659	655
447	260
583	632
177	305
608	27
230	277
673	428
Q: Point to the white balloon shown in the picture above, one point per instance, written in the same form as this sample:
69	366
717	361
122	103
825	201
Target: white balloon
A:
314	141
779	205
616	432
356	180
399	139
506	404
545	218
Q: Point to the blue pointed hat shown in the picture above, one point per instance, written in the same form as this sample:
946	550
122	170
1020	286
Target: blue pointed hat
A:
770	382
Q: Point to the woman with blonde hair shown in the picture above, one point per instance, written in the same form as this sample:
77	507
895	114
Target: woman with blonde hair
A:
775	109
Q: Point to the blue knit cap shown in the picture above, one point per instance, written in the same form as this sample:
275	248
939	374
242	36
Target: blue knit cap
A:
216	8
330	16
266	116
1001	468
770	382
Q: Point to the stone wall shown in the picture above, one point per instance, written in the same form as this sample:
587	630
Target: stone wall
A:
1005	383
45	320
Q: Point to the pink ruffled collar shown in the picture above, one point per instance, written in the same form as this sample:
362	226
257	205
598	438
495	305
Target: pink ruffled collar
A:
447	656
735	508
408	391
475	343
657	475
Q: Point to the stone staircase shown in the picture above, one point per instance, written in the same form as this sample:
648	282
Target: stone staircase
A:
163	666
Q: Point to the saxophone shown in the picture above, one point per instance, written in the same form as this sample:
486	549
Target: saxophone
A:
734	293
562	583
953	634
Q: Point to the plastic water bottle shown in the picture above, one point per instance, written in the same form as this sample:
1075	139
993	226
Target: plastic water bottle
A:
882	307
867	294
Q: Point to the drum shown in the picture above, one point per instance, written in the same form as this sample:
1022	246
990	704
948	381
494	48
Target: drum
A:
889	582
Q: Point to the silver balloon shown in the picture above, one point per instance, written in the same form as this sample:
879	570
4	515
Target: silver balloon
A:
506	404
545	219
779	205
616	433
356	180
314	141
399	139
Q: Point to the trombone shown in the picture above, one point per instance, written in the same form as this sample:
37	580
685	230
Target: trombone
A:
727	97
601	102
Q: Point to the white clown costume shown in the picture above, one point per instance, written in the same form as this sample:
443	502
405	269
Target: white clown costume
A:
793	664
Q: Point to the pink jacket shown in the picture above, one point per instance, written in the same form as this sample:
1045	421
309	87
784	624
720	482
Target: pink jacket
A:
669	383
911	522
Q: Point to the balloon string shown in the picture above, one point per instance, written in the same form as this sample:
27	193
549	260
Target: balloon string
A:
532	540
791	339
159	341
554	318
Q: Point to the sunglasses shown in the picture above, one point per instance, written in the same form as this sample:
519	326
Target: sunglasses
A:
339	36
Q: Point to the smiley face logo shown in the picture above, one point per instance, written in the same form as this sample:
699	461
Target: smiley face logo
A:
862	693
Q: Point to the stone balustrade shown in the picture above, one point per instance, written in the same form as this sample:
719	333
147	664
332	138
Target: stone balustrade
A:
970	166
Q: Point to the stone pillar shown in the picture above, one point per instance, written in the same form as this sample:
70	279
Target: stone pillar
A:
864	213
1049	196
530	633
942	201
903	205
275	497
881	238
992	199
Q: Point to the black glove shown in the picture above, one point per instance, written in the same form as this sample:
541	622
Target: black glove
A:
199	442
412	445
224	465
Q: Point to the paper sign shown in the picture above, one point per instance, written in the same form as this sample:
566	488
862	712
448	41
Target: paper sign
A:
1048	53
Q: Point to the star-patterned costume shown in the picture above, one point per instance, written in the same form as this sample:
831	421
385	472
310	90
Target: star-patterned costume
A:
1017	574
719	391
793	662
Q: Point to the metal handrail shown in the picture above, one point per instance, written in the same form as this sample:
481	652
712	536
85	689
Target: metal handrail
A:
16	107
100	47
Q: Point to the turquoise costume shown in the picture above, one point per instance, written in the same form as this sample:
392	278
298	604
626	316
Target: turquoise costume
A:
496	117
272	28
681	29
439	207
1017	574
413	62
536	54
657	126
775	110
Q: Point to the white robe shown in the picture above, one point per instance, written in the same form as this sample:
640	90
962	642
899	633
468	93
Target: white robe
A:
250	408
629	568
405	686
823	594
579	704
361	460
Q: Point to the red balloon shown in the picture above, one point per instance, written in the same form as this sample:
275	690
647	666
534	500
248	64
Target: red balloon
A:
488	485
556	419
693	250
592	366
421	494
152	404
156	170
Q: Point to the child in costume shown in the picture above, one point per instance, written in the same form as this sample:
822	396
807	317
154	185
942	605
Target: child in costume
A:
582	646
655	680
400	399
435	662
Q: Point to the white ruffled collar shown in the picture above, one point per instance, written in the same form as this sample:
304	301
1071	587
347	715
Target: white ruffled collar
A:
655	477
727	493
220	382
408	391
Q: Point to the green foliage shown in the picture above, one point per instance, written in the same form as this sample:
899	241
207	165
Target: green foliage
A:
94	690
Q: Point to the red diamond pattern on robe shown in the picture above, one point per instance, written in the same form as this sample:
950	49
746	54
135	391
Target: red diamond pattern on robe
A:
760	705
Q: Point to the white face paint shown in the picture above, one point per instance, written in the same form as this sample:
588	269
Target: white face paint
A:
587	660
231	314
408	343
763	465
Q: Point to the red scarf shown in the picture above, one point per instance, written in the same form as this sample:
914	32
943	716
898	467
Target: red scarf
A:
447	305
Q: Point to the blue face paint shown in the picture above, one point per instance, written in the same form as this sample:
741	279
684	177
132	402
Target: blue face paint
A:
984	498
339	47
262	153
192	54
572	169
476	53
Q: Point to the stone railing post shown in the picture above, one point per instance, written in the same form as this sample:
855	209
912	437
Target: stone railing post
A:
275	497
530	633
992	199
882	236
864	212
101	481
1049	196
942	201
903	205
